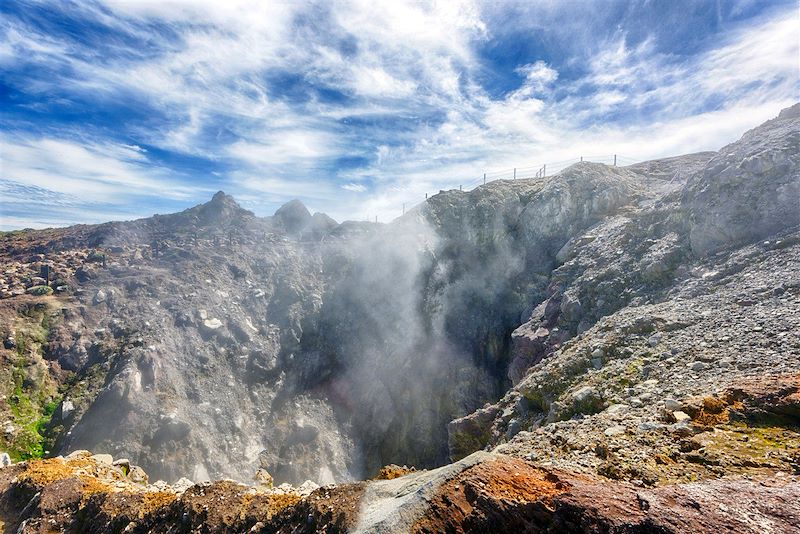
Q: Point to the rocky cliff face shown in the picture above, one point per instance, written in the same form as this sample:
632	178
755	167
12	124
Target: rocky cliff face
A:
749	190
595	323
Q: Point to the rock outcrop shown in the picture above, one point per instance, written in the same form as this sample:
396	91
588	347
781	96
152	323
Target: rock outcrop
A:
482	493
620	338
750	189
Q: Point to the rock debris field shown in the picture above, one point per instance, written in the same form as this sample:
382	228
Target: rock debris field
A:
609	349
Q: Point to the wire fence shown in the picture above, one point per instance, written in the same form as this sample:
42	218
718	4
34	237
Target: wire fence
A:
536	171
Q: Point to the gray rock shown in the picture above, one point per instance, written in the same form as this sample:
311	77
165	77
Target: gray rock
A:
649	426
584	394
697	366
614	430
137	475
684	428
655	339
571	308
293	217
749	190
67	407
212	324
181	485
307	487
679	416
103	459
617	409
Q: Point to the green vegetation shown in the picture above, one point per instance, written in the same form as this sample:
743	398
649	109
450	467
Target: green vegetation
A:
96	256
615	380
31	396
40	290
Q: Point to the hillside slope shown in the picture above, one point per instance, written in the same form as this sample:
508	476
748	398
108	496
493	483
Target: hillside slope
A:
634	324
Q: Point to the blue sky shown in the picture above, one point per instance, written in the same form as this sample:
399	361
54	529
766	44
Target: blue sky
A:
121	109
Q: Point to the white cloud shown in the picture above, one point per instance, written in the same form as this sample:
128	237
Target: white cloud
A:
211	80
372	81
537	77
356	188
284	148
92	172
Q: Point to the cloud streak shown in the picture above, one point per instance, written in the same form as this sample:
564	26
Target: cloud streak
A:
358	107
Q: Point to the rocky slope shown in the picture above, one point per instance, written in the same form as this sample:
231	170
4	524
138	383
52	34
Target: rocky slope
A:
636	325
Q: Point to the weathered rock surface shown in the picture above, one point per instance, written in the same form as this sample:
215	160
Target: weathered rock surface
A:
750	189
482	493
625	338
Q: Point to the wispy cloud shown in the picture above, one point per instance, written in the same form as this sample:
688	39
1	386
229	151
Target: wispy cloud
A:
357	106
93	172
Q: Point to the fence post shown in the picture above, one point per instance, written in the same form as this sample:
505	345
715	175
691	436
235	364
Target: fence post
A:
515	173
581	159
460	188
426	196
544	170
484	178
615	160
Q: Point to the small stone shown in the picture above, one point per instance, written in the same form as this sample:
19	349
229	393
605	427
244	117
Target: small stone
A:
614	430
100	296
66	409
137	475
680	416
615	409
103	459
263	478
655	339
212	324
5	460
697	366
307	487
80	453
124	464
182	485
672	405
649	426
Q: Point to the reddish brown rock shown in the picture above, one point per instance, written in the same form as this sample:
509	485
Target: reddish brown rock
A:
509	495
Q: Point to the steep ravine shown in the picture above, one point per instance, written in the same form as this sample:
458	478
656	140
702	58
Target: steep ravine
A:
321	353
630	324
